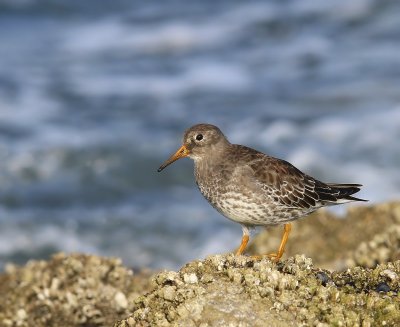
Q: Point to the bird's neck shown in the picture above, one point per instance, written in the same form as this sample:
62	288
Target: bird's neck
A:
210	162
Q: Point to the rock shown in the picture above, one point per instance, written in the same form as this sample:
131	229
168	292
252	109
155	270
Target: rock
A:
69	290
121	303
366	236
190	278
245	292
384	247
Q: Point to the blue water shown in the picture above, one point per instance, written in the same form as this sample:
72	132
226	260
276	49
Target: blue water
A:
94	96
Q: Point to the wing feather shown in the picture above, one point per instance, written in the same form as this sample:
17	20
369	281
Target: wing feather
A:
288	186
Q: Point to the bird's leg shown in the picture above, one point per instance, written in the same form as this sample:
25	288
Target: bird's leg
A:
286	231
245	240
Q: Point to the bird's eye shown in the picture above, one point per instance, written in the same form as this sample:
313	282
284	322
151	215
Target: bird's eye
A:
199	137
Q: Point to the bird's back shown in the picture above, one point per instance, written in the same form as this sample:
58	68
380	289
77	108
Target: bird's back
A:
292	186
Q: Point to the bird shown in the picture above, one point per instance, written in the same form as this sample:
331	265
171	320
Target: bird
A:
252	188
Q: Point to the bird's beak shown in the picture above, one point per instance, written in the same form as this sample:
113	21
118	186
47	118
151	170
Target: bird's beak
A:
181	153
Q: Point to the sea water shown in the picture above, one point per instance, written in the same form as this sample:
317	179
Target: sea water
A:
94	96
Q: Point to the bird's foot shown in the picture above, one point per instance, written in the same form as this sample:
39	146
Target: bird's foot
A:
275	257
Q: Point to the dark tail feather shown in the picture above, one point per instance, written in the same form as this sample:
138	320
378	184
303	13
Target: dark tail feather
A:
346	190
353	198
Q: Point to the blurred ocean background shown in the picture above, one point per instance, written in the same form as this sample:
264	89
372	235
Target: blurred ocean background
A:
95	95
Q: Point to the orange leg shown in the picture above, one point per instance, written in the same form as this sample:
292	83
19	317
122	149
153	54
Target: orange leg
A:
286	231
245	240
242	247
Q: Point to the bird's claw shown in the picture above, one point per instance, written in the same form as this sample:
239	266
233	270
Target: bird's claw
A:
272	256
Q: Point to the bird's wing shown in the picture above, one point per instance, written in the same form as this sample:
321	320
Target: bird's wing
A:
285	184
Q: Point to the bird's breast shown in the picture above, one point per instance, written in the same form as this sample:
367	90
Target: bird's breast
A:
234	200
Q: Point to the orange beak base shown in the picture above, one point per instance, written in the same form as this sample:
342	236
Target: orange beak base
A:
181	153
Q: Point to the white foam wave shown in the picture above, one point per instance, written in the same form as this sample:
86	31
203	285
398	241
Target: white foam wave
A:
198	76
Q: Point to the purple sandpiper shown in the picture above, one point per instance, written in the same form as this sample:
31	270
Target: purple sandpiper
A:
252	188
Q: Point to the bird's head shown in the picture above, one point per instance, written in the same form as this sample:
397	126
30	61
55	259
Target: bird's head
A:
199	141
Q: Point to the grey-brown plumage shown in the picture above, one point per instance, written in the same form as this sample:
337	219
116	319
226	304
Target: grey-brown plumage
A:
252	188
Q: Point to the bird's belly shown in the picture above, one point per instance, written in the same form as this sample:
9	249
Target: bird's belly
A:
246	208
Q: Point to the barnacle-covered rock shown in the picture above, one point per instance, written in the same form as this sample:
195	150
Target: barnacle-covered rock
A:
383	247
240	291
69	290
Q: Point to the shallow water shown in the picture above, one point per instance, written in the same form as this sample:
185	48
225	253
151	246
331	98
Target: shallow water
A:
94	96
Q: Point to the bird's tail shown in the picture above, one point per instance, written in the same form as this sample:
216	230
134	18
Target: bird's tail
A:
343	192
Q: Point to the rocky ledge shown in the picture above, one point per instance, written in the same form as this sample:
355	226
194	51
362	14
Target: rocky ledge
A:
224	290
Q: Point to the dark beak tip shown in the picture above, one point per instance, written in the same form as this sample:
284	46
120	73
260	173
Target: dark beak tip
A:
159	169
